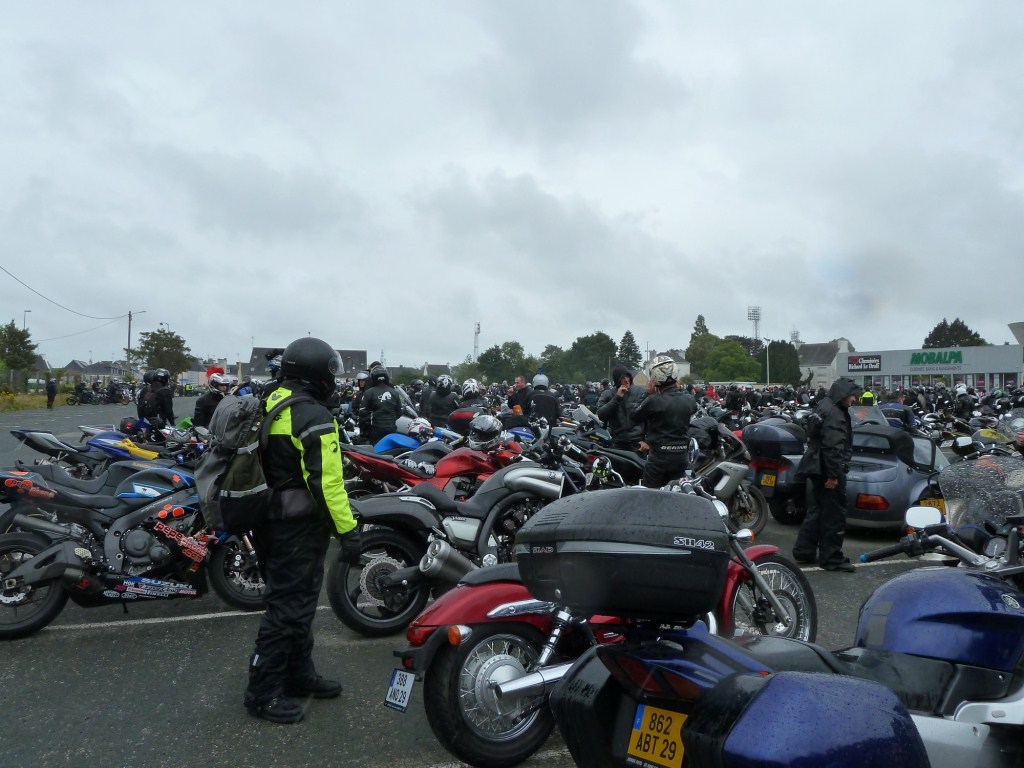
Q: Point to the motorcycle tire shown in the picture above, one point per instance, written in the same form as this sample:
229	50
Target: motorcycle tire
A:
788	511
72	400
465	714
354	592
748	508
750	613
234	574
22	614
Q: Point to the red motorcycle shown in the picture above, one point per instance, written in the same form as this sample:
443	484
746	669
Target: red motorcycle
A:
488	652
458	473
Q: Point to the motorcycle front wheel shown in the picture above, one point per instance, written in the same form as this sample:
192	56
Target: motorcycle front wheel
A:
72	400
748	508
752	613
356	591
234	573
22	613
464	712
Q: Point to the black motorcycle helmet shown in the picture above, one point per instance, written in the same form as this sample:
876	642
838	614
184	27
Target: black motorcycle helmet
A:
162	375
147	377
379	375
313	361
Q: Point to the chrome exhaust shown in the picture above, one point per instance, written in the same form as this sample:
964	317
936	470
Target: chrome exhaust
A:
445	563
532	684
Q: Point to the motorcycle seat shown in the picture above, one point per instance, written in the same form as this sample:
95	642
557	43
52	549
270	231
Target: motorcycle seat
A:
783	654
445	504
492	573
631	456
56	475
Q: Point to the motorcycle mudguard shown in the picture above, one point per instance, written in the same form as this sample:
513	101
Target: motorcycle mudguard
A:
800	720
737	575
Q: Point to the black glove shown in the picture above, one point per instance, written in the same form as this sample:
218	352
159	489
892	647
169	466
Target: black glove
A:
351	544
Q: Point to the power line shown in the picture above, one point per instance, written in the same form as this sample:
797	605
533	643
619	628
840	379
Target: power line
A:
79	333
37	293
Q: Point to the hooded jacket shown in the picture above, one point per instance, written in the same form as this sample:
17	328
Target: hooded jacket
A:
617	412
830	438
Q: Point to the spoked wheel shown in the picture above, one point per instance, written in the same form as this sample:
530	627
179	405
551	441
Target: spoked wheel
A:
752	613
464	711
23	612
234	572
358	594
748	508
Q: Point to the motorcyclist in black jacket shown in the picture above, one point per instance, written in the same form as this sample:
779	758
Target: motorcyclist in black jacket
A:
218	385
543	403
664	415
380	406
617	412
443	400
164	397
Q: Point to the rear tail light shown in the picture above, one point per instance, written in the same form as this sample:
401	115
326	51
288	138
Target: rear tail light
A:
417	635
871	502
651	678
772	465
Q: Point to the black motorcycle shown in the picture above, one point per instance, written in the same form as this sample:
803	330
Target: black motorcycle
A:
98	543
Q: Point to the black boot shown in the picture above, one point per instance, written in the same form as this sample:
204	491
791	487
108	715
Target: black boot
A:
279	710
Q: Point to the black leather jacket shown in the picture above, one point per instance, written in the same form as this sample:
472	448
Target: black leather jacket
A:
617	415
665	418
379	408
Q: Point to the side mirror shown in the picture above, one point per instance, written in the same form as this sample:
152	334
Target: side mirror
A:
694	449
962	446
922	517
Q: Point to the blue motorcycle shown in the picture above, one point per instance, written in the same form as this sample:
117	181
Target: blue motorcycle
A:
935	675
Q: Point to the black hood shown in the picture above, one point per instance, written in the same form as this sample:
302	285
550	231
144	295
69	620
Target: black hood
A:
841	388
618	372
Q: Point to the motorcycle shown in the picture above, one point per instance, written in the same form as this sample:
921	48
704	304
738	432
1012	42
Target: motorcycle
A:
144	539
488	651
458	473
421	542
933	677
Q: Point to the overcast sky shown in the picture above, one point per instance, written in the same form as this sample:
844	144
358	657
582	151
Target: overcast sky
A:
386	174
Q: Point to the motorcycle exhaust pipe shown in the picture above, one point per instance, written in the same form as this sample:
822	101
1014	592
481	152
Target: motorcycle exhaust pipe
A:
533	684
403	577
444	563
26	523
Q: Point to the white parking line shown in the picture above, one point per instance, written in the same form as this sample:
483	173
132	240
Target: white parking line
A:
158	620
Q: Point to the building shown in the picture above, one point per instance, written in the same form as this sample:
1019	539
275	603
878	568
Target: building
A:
986	368
819	362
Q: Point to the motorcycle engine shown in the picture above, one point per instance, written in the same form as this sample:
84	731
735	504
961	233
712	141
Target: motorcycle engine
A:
155	541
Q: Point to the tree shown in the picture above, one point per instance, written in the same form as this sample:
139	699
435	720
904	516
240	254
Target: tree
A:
955	334
700	328
553	361
467	369
698	351
729	361
784	364
589	358
17	353
629	352
753	346
162	349
504	363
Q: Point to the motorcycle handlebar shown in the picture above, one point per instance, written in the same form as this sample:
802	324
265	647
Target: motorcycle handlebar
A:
884	552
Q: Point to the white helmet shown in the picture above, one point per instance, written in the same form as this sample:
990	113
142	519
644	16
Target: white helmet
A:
960	390
218	380
662	370
470	387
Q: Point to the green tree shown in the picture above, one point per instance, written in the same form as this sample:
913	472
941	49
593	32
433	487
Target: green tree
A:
629	352
553	361
700	328
698	351
729	361
504	362
405	375
784	365
590	357
162	348
17	353
752	345
955	334
467	369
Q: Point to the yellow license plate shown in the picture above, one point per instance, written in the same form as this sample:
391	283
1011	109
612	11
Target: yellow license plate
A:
657	738
941	504
768	479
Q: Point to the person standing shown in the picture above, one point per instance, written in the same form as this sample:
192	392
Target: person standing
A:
824	465
302	462
520	395
380	406
543	403
207	404
617	412
664	416
51	393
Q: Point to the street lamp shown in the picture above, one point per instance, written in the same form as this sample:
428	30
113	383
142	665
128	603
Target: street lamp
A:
23	318
128	350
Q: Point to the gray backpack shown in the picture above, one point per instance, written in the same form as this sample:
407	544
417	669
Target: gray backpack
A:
233	491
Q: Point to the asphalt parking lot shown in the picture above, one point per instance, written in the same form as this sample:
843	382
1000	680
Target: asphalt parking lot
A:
161	685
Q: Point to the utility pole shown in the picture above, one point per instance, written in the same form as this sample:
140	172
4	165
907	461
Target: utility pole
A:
476	342
128	349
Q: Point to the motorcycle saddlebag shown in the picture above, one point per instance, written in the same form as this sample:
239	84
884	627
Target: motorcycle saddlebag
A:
773	439
800	720
630	552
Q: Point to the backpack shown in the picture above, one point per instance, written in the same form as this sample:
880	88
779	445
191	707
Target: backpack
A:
233	491
148	405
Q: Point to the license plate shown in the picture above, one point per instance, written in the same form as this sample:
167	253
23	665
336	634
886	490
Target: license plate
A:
657	738
400	690
768	478
933	503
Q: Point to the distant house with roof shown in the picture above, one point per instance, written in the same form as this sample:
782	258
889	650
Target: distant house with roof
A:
819	360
